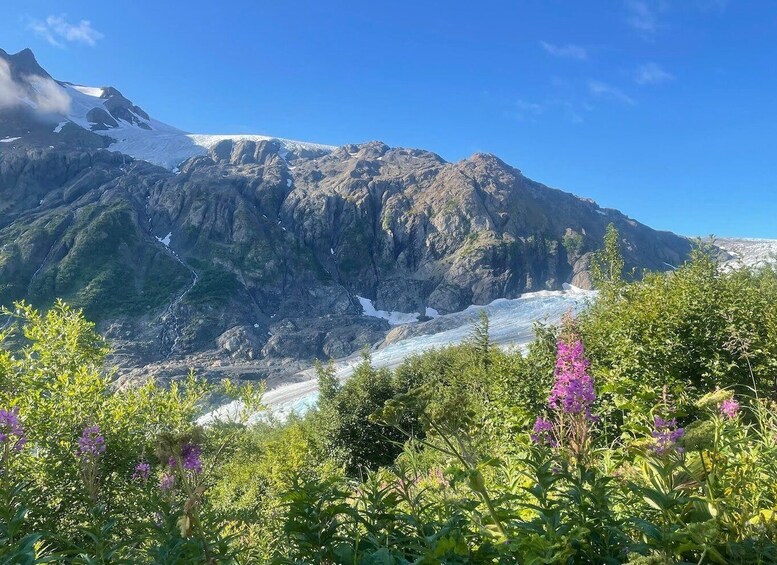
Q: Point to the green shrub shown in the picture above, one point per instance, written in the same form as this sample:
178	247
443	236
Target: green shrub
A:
644	431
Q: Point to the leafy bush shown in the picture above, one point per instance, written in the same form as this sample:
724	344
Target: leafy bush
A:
686	333
97	474
644	431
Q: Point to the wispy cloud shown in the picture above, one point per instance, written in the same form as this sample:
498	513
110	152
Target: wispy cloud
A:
606	91
648	17
58	31
651	73
525	111
10	93
642	16
549	108
568	51
45	96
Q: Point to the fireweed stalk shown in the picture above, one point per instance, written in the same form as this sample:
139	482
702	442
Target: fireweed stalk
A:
729	408
91	446
665	435
572	396
142	471
186	470
12	440
12	435
542	433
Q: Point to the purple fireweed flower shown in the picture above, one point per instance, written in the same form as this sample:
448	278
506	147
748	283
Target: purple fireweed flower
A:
167	482
729	408
666	435
11	429
542	433
190	457
573	389
142	471
91	443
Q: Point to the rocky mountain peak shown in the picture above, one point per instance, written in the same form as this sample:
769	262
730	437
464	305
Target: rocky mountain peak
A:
23	64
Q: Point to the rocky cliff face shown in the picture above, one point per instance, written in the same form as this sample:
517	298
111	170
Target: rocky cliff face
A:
252	254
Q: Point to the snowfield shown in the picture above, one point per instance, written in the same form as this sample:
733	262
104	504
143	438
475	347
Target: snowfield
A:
394	318
162	145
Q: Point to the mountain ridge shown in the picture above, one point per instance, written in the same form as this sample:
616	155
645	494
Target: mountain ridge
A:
256	250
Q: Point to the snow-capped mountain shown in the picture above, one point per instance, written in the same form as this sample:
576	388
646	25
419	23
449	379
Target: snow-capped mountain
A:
106	112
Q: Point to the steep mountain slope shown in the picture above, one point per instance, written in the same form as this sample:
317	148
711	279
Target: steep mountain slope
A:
252	251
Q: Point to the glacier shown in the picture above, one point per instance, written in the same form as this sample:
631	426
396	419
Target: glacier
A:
511	324
745	251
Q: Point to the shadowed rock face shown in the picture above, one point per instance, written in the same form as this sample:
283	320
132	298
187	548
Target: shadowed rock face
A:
251	256
23	64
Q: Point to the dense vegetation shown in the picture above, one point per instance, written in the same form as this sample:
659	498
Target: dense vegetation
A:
644	431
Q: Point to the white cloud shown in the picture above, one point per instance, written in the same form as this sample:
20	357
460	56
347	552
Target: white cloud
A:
567	51
525	111
44	95
642	16
10	92
57	30
650	16
49	96
603	90
651	73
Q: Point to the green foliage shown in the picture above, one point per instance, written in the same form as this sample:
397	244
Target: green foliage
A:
480	338
107	268
50	506
215	285
711	499
683	334
344	433
607	264
573	243
433	462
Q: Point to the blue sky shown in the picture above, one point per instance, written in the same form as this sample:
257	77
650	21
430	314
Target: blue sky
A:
665	109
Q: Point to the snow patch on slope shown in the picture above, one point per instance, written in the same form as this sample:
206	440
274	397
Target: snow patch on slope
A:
165	240
394	318
90	91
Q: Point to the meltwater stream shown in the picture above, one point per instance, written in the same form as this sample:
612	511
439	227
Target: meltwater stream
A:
511	324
